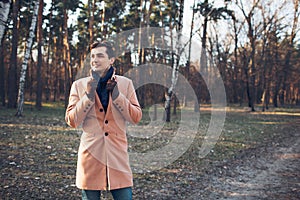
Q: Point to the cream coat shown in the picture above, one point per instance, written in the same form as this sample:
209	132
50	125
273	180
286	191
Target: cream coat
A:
103	161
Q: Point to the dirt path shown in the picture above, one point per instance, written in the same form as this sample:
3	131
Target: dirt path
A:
267	172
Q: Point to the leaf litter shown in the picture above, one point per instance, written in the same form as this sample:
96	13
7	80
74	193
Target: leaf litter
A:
256	157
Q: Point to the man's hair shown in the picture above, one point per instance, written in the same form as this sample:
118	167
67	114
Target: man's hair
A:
109	49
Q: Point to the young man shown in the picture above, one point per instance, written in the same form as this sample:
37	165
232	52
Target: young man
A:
102	104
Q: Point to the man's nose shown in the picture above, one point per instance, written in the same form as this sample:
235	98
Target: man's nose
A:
94	60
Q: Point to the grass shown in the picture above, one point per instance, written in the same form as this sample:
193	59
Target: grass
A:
39	152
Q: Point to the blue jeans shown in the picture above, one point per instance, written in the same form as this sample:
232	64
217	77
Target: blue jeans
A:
118	194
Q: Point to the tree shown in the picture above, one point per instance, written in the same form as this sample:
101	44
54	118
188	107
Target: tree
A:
4	11
289	51
39	90
66	54
268	51
12	72
237	74
249	64
209	13
175	63
26	58
91	10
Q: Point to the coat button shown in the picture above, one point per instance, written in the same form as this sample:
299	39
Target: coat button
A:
106	121
106	133
101	110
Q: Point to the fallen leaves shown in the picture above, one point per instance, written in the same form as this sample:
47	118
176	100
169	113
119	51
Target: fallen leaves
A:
39	154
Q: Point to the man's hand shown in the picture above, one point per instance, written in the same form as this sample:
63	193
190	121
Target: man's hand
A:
92	85
112	87
95	75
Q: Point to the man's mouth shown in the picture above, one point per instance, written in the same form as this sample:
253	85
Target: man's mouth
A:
96	66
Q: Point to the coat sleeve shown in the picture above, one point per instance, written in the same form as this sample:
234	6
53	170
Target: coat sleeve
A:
128	105
78	107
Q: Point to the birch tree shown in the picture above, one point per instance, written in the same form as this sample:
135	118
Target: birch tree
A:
26	58
175	63
4	11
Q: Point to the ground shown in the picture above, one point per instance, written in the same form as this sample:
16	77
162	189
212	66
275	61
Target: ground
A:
256	157
269	171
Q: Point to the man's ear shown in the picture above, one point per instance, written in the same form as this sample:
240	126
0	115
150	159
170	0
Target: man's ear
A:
112	60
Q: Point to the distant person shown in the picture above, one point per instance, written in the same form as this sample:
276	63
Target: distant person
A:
101	104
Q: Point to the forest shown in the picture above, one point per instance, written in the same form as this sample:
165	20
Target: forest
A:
252	45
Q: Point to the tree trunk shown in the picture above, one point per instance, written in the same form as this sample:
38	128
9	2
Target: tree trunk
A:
12	71
91	5
4	11
196	103
55	66
266	86
2	76
39	91
203	57
236	92
175	63
66	57
142	38
252	68
175	105
247	79
103	19
50	52
25	60
275	95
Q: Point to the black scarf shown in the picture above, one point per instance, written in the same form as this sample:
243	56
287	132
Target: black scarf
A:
101	88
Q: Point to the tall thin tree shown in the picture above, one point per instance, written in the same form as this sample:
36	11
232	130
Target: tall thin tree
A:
39	91
66	53
26	58
12	71
91	10
4	11
175	69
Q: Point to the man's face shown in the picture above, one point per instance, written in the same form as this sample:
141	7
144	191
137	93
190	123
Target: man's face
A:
100	62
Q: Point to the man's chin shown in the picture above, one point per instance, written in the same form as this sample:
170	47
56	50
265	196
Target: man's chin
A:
101	72
95	69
